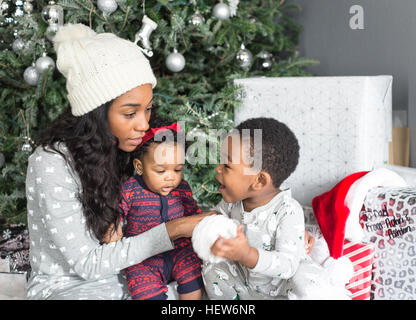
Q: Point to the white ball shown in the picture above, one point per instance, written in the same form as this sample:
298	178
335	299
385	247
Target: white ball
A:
175	62
221	11
31	76
107	6
43	63
18	45
28	7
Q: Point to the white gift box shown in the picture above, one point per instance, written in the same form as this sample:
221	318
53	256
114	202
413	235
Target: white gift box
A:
343	124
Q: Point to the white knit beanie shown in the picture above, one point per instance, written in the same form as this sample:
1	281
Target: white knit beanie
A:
98	67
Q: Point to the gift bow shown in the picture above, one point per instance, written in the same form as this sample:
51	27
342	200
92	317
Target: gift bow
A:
152	131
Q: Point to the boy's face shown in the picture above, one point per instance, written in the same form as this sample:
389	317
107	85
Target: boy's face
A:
235	175
163	167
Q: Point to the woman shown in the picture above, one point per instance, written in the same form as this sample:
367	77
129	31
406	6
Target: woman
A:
74	176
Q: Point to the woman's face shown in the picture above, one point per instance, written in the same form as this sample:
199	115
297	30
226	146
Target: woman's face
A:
129	115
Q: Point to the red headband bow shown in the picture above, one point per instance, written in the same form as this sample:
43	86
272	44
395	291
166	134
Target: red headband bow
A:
152	132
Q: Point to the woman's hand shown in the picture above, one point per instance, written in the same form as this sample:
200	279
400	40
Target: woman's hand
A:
236	249
113	235
183	227
309	242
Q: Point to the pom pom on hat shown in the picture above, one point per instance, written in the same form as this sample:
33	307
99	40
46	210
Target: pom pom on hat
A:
98	67
71	32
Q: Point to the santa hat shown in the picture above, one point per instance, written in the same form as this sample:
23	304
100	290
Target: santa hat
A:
337	211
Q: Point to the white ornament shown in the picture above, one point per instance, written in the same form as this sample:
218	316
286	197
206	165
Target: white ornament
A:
51	31
143	35
221	11
233	7
28	7
196	19
31	76
4	6
107	6
175	61
244	57
18	45
43	63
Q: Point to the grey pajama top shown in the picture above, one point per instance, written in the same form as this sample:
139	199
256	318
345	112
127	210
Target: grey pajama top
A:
67	262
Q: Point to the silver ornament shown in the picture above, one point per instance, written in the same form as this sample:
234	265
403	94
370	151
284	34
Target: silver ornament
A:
2	160
18	45
51	31
196	19
4	6
143	35
266	64
244	57
31	76
43	63
28	7
26	147
175	61
221	11
107	6
53	13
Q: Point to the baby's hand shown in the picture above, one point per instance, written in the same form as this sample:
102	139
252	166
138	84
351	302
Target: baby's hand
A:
113	235
309	241
236	249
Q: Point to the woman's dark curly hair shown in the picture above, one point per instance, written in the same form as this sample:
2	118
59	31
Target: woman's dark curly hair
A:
102	167
280	148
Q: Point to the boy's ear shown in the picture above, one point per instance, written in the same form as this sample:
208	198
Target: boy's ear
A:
262	180
138	166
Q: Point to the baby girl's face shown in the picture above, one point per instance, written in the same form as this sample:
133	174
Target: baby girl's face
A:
234	175
163	167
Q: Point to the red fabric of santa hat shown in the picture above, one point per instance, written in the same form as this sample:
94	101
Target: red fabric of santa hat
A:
331	213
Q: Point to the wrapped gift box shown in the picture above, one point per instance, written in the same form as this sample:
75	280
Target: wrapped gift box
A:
343	124
388	219
361	256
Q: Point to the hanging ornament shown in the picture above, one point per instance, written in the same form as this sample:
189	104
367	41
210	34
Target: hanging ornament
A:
18	45
27	147
143	35
51	31
196	19
221	11
43	63
266	63
107	6
28	7
233	4
53	13
4	6
175	61
244	57
19	9
31	75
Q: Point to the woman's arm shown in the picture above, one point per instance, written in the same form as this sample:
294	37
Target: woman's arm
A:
54	191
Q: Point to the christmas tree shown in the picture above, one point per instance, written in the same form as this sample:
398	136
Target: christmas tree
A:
196	48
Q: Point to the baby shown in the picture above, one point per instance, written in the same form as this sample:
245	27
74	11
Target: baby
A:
267	257
156	194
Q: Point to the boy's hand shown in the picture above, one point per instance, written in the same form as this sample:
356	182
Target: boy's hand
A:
309	241
113	235
236	249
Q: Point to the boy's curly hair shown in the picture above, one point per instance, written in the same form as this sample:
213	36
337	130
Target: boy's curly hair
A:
280	148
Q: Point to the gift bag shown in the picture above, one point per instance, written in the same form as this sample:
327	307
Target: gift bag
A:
361	256
388	219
